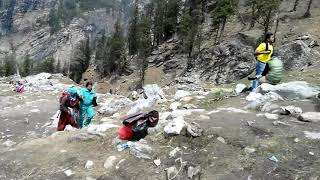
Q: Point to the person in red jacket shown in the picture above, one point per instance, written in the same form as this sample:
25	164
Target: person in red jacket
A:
69	110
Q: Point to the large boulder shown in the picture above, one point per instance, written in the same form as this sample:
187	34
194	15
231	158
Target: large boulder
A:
225	63
251	37
296	55
292	90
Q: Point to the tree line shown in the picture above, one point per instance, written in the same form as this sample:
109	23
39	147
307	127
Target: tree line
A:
157	22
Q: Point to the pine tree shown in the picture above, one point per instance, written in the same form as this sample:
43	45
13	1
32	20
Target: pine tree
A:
9	66
222	11
46	66
54	21
158	23
81	61
171	18
26	66
58	67
296	3
189	25
267	10
101	53
133	31
145	44
308	14
116	57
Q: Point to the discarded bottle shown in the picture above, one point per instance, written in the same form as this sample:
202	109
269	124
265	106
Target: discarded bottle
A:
123	146
274	159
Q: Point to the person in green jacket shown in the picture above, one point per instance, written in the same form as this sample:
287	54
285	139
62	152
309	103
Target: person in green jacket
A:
87	95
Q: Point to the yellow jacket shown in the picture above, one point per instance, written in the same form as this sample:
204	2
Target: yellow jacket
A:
264	57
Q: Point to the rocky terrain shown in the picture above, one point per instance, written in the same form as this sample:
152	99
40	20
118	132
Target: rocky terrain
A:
211	133
207	129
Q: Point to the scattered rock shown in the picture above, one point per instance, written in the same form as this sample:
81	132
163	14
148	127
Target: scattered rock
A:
109	162
171	172
187	99
157	162
141	151
240	88
9	143
249	150
185	112
118	165
89	165
175	126
310	117
233	110
271	116
256	99
313	44
292	90
113	105
221	139
269	107
193	171
174	152
274	159
174	105
68	173
296	140
34	110
312	135
101	127
280	123
69	128
190	106
180	94
290	110
204	117
194	130
90	178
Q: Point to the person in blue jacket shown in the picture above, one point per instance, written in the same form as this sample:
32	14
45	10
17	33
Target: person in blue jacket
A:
88	100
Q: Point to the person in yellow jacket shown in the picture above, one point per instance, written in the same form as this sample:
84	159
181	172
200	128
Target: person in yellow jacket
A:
263	53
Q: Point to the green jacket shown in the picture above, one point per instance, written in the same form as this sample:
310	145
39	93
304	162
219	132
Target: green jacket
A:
275	73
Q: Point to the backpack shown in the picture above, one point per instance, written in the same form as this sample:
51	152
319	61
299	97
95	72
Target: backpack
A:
136	125
62	95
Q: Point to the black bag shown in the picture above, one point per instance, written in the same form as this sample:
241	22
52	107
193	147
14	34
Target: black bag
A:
140	122
94	102
140	131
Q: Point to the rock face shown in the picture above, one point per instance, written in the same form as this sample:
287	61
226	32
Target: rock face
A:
27	22
225	63
296	55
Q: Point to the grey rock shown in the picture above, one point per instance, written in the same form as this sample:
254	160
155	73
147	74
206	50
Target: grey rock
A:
292	90
290	110
269	107
250	37
296	55
193	171
225	63
194	130
141	151
310	117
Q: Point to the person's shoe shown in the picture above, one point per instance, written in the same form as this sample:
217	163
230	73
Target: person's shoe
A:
246	89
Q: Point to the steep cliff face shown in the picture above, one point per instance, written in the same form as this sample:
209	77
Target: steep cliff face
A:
25	28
